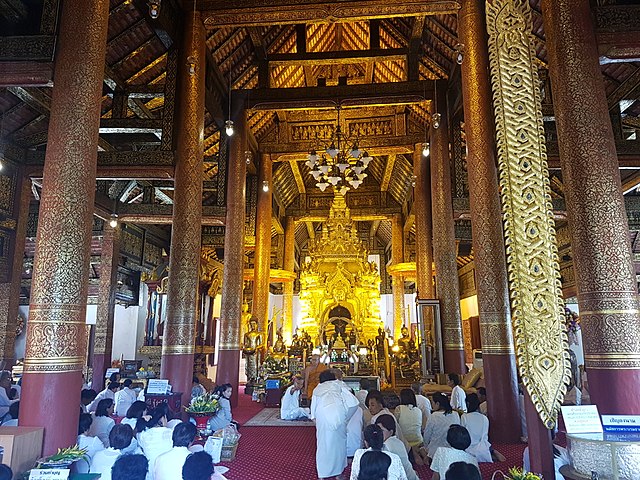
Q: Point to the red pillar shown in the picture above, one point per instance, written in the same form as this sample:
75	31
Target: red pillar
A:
184	259
231	305
486	221
605	276
56	331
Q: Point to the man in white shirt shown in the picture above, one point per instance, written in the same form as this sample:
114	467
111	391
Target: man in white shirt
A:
361	394
5	389
458	397
108	392
168	466
422	403
120	439
482	396
124	398
290	405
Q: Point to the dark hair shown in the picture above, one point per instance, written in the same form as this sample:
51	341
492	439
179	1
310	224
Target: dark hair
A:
127	382
458	437
364	384
416	387
183	434
455	378
195	379
462	471
136	410
407	397
473	402
130	467
120	436
373	436
482	391
114	377
84	423
443	402
374	465
375	395
388	422
220	389
113	385
103	406
198	466
161	410
88	394
5	472
14	409
326	376
390	399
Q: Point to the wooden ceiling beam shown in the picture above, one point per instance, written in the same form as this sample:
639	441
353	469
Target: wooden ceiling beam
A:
26	74
219	13
625	89
388	169
337	57
305	98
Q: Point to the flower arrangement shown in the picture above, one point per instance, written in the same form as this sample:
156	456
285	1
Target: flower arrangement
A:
206	403
573	321
519	474
64	457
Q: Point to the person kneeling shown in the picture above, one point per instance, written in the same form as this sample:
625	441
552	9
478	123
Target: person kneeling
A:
290	408
459	439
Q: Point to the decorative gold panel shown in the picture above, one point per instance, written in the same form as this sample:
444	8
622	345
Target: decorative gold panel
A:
534	278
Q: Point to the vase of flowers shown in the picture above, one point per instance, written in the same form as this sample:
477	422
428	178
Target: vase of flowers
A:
201	409
516	474
64	458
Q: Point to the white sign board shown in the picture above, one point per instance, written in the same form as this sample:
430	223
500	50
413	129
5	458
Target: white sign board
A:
157	387
49	474
621	423
582	419
111	371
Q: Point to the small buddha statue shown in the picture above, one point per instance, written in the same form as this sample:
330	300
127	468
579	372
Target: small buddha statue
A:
279	348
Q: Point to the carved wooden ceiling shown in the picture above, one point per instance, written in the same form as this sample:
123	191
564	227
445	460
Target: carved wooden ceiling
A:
282	44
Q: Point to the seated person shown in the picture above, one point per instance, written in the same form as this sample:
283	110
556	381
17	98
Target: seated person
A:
374	465
5	472
223	417
392	444
155	438
120	439
374	441
478	426
91	444
459	439
458	395
462	471
11	418
199	466
136	412
196	388
376	406
102	422
442	417
168	466
124	398
130	467
290	405
87	396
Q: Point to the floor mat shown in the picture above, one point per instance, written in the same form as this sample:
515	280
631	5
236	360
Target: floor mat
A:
270	417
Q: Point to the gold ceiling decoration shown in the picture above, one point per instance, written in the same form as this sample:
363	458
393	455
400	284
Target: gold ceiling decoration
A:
339	274
534	273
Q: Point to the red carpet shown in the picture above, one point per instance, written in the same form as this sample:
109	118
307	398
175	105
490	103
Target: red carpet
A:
282	453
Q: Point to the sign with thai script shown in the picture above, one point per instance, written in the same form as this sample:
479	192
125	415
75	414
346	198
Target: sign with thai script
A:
621	423
157	387
111	371
582	419
49	474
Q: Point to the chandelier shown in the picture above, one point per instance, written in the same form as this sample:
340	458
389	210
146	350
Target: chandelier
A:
341	165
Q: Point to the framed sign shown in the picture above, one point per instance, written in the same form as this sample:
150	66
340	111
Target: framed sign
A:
157	387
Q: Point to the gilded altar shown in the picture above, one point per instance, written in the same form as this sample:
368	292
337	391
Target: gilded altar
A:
339	287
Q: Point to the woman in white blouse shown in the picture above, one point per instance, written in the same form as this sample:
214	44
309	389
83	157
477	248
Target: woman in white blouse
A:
155	439
409	418
478	426
442	417
102	422
374	440
91	444
393	444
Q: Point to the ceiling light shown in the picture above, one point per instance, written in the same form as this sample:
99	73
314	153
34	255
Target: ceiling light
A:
425	149
154	9
228	127
435	120
459	49
113	223
265	186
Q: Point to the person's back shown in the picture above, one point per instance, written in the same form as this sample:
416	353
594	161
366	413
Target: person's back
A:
120	438
130	467
410	422
462	471
199	466
374	465
459	440
478	426
5	472
373	439
168	466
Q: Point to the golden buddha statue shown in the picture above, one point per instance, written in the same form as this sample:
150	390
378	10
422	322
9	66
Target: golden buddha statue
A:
252	345
279	348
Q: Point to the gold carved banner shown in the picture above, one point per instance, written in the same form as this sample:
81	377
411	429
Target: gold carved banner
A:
532	257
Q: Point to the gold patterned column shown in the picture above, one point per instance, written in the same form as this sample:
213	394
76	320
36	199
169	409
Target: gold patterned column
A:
184	257
289	266
397	281
103	337
231	305
262	261
10	291
605	276
56	339
444	240
486	221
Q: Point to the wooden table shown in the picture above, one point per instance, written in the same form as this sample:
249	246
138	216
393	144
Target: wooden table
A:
22	447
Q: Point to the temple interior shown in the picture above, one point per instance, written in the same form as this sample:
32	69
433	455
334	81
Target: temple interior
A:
405	189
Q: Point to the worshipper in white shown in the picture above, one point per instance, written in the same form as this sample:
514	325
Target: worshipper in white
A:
10	419
5	392
102	421
458	397
442	417
120	440
332	406
196	388
168	466
409	417
223	417
482	396
392	444
375	405
124	398
91	444
374	441
354	431
374	465
154	437
109	392
87	396
361	394
130	467
459	439
199	466
463	471
136	412
290	408
478	426
422	403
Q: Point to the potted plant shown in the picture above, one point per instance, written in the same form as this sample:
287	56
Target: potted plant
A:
201	409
